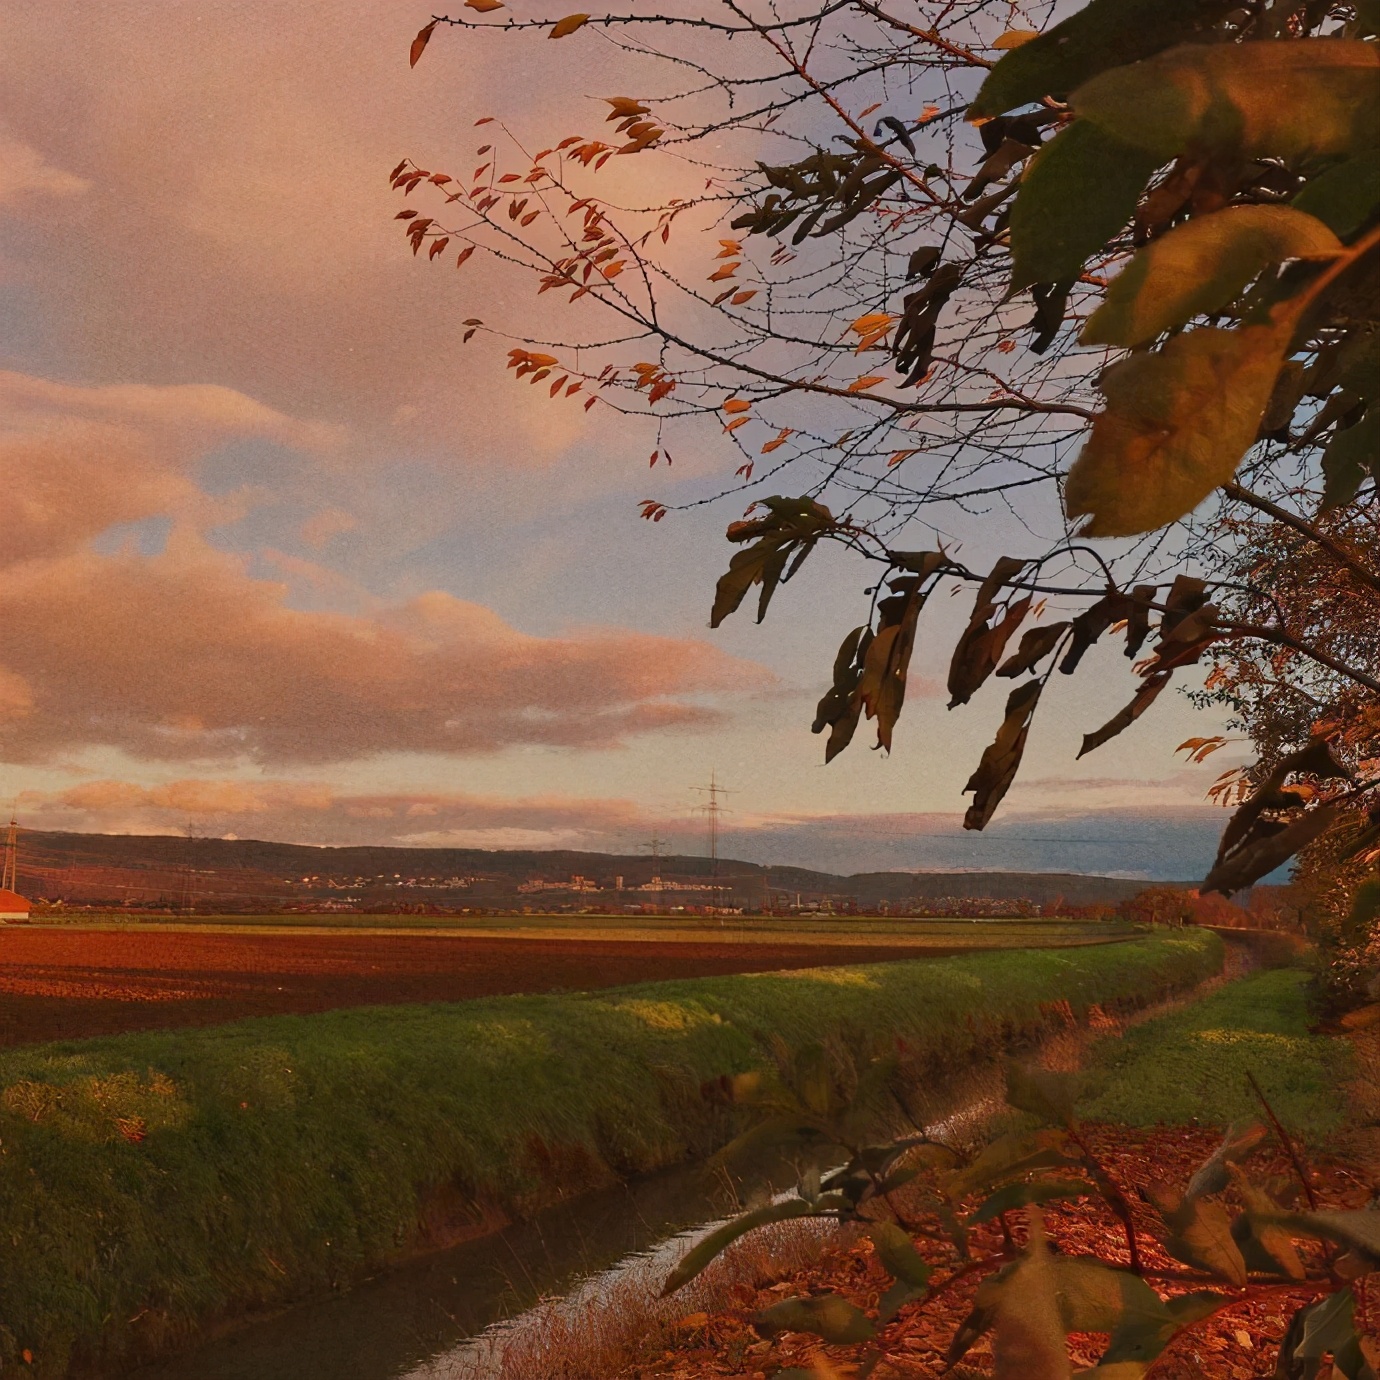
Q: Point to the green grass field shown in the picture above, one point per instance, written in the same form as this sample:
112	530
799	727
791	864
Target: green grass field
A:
151	1184
1191	1065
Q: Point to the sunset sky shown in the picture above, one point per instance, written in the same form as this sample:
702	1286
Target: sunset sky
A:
286	560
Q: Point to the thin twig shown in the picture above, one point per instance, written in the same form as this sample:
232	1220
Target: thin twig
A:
1283	1137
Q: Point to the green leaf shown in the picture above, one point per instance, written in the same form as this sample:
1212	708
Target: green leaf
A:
1352	456
1078	192
1010	1156
1327	1326
1200	266
1203	1237
1043	1093
1094	1297
1019	1195
893	1300
1028	1340
706	1250
825	1315
1358	1229
1344	197
898	1255
1104	33
1175	427
1142	1338
1291	99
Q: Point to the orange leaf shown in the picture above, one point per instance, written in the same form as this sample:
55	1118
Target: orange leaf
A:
899	456
777	441
737	405
568	25
737	422
615	268
484	6
866	382
727	271
740	297
419	43
463	255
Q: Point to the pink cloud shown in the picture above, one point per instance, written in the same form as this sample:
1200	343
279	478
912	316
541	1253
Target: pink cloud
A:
313	812
76	460
185	656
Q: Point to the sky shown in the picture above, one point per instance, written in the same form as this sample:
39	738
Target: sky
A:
286	559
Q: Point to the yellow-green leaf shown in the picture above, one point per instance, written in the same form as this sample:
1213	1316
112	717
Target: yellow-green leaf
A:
1200	266
1098	35
562	27
1288	98
1077	193
1175	426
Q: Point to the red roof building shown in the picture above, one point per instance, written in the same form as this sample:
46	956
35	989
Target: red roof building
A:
14	909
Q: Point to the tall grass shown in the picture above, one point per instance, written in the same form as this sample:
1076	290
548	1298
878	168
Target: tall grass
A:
152	1184
1191	1065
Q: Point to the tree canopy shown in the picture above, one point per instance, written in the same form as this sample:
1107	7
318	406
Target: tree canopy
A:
1114	270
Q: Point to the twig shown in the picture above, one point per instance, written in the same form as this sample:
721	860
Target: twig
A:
1288	1145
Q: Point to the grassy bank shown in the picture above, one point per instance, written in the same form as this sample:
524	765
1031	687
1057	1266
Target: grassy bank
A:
1191	1065
150	1184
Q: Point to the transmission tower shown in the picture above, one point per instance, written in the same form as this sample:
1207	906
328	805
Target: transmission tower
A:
9	881
654	846
712	810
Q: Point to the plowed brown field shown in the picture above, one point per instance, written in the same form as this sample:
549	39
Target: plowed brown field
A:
58	984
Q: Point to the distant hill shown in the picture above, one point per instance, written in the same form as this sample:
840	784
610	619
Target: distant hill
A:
249	874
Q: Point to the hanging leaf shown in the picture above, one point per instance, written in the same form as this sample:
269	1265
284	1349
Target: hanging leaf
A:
419	43
1292	100
1078	193
1352	457
1124	718
882	687
841	706
563	27
484	6
1175	427
1035	646
1002	759
982	644
791	528
1267	848
1345	196
1089	625
898	1255
1102	34
1199	267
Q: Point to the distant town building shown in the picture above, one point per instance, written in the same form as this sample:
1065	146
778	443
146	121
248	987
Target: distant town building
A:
14	909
